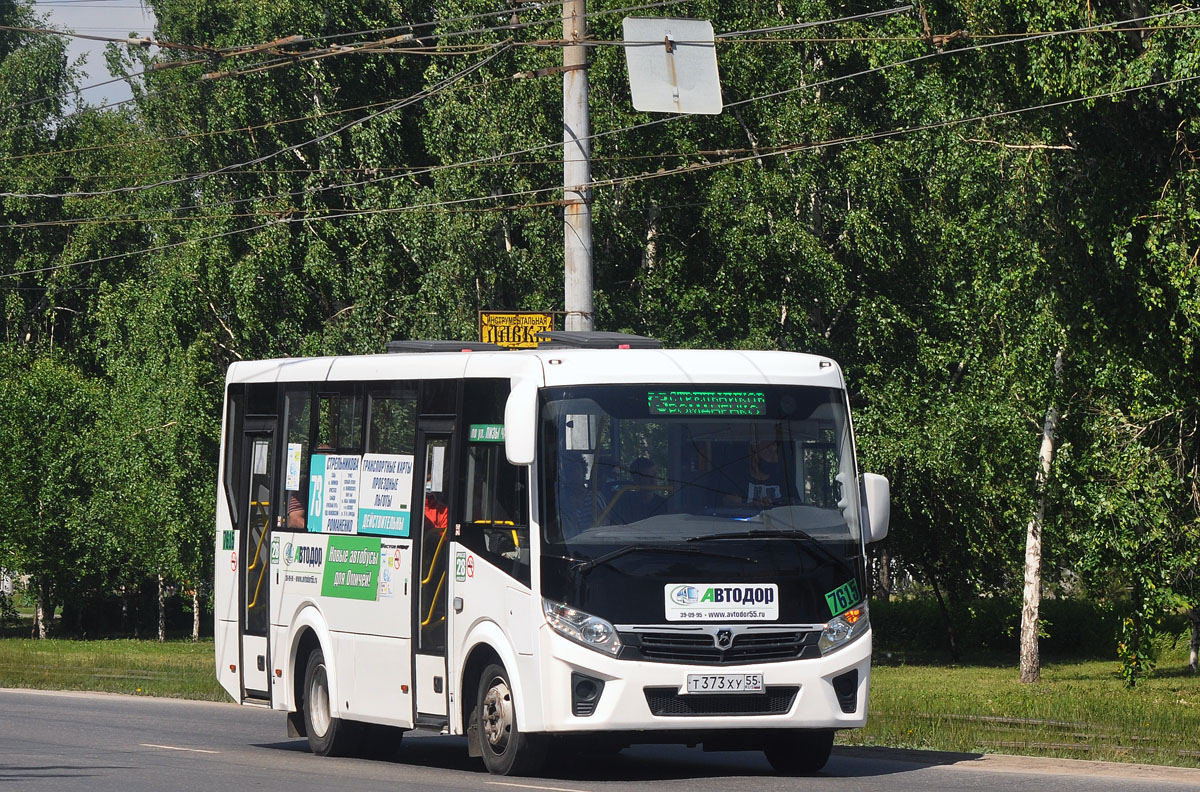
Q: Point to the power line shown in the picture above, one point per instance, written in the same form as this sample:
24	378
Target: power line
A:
619	181
424	93
598	13
803	25
1006	37
142	41
299	57
594	136
666	119
302	56
138	219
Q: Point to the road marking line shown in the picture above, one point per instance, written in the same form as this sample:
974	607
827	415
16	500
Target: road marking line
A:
176	748
530	786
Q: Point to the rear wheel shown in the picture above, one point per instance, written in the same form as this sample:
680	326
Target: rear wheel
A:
799	752
506	749
327	735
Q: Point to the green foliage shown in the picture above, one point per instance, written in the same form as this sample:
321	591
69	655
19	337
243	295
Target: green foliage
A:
305	201
44	476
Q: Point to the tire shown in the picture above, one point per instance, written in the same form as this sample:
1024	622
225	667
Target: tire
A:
327	735
506	749
799	752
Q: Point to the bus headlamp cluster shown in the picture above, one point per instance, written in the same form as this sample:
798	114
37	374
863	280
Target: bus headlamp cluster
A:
841	630
584	628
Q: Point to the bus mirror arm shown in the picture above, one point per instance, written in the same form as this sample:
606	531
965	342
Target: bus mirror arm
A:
520	423
877	494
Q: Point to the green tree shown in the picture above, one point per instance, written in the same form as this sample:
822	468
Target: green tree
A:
50	407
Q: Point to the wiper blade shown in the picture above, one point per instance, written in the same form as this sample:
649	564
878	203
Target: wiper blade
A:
756	533
585	566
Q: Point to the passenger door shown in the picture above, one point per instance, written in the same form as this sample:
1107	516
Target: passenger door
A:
435	498
255	554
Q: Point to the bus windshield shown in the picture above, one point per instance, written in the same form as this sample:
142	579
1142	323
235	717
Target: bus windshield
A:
631	466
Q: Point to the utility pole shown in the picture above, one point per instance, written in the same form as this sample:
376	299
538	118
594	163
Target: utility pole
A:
577	171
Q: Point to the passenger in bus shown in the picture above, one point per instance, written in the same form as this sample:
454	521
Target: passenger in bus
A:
767	484
297	503
296	513
437	514
641	497
763	481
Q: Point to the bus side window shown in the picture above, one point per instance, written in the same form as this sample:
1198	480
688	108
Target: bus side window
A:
340	422
298	451
393	423
495	523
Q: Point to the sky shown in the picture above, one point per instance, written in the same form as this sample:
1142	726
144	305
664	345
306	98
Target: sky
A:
117	18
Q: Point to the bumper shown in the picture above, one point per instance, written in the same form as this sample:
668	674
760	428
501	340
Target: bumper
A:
624	704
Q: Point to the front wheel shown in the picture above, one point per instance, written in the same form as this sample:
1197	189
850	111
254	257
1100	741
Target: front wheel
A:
799	752
506	749
327	735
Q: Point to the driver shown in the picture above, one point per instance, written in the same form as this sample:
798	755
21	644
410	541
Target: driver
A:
577	504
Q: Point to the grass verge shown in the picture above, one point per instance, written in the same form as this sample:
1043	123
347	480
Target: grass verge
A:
1079	710
175	669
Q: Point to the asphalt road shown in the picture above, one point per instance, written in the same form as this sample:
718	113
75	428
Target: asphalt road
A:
98	742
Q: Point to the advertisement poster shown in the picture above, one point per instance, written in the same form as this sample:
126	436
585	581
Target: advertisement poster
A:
386	485
722	602
352	568
293	467
333	493
393	566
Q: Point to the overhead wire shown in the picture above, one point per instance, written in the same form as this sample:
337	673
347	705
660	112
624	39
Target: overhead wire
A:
667	119
709	165
138	218
611	11
300	56
305	56
804	25
241	49
420	95
653	122
779	150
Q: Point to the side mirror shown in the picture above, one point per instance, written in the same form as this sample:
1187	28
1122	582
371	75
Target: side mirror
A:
878	497
520	423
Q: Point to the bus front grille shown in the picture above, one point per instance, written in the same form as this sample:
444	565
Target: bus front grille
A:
702	647
668	702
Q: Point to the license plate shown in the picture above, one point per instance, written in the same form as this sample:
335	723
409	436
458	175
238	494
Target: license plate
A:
724	683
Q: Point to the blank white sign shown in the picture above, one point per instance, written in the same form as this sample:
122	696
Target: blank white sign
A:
672	65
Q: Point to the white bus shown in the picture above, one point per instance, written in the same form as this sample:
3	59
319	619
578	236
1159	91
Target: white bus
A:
591	544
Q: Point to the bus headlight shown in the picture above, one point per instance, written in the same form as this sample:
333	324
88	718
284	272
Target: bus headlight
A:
584	628
843	629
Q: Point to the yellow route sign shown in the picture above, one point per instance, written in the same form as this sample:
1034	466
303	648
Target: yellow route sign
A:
514	329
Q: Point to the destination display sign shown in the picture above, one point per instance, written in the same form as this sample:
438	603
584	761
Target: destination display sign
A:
707	402
514	329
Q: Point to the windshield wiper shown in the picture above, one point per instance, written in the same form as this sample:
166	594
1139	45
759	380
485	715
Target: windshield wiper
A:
585	566
815	546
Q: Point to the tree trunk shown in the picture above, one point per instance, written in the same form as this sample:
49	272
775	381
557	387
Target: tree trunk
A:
39	610
1031	667
195	614
162	611
885	576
